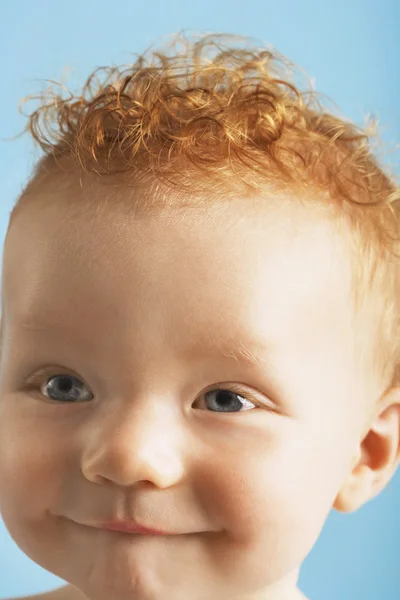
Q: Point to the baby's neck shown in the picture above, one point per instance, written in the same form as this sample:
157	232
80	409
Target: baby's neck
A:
72	593
287	594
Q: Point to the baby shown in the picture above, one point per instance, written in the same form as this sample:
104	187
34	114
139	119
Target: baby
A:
204	270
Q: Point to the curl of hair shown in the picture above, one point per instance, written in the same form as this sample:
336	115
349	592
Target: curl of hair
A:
212	120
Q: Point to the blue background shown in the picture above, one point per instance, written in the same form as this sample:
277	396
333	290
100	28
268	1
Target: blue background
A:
351	50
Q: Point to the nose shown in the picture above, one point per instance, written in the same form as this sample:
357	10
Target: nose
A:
126	447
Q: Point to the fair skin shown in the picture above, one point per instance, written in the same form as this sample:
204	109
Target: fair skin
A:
135	311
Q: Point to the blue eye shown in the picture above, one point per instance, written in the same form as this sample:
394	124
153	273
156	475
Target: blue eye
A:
225	400
62	389
66	388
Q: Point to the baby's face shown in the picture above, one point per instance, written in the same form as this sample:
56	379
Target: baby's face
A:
140	316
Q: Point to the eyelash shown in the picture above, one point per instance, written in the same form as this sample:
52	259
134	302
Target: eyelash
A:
43	375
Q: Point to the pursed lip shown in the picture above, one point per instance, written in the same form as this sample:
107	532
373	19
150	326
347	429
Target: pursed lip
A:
130	527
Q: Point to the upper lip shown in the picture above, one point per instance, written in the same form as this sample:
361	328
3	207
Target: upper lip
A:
129	526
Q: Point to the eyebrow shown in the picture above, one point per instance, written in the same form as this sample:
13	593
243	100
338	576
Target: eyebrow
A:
239	347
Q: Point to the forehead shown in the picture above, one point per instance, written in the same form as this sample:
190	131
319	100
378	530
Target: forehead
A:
234	262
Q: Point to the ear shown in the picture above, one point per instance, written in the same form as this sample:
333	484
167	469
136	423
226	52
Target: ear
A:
377	458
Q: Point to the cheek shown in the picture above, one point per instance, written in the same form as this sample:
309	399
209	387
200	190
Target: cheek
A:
30	469
273	495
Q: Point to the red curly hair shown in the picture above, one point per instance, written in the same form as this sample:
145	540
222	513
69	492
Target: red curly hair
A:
209	126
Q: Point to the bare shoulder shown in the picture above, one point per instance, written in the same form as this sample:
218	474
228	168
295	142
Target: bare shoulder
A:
67	592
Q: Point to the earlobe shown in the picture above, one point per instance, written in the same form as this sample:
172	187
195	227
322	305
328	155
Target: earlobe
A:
377	459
